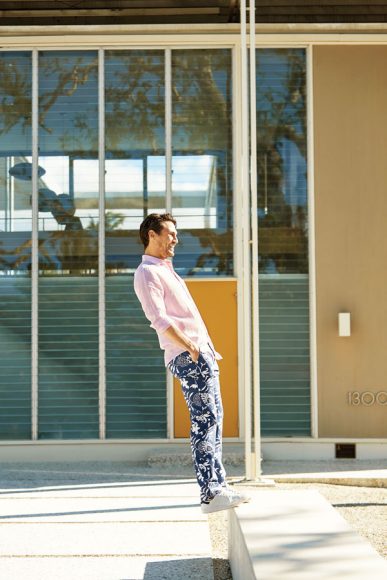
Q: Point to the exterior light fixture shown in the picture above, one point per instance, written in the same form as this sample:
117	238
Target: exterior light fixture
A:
344	324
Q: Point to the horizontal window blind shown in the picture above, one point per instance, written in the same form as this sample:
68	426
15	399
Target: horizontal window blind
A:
136	405
15	360
15	245
284	339
68	358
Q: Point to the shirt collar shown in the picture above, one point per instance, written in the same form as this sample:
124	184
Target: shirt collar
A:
153	260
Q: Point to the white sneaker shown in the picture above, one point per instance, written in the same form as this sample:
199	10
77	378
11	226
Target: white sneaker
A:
222	501
232	490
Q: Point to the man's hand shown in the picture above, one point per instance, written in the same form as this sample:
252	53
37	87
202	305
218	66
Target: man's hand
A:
178	337
195	353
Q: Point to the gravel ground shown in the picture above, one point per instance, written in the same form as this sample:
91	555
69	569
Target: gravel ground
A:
365	509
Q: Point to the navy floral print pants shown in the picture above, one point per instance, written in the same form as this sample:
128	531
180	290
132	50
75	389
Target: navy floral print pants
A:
201	389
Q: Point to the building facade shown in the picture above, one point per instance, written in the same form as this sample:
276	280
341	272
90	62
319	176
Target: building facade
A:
101	124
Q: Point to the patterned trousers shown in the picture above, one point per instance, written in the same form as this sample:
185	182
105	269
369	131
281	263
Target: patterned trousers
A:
201	389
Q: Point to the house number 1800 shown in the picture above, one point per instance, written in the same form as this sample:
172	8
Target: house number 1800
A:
367	398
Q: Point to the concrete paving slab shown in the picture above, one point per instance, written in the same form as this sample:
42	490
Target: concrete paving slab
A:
99	509
105	539
297	535
118	568
154	488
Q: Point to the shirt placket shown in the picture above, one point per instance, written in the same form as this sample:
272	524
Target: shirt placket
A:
191	304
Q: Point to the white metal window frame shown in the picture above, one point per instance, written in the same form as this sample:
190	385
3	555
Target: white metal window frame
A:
100	43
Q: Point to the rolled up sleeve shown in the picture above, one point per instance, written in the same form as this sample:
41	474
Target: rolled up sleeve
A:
151	296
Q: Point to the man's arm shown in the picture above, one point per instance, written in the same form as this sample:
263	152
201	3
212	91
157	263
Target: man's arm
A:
177	336
150	293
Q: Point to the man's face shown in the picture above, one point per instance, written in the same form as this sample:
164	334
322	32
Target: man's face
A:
164	243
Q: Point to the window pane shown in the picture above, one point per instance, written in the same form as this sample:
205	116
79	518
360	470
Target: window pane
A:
15	245
135	186
202	161
283	241
281	156
68	245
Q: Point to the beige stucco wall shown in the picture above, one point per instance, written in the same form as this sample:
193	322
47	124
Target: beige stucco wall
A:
350	128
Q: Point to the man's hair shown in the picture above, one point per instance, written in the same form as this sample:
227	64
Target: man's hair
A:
154	221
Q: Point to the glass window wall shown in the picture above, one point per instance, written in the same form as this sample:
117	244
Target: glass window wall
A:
68	245
283	241
136	156
202	192
15	244
135	186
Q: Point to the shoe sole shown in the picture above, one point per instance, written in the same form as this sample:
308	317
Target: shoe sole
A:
223	508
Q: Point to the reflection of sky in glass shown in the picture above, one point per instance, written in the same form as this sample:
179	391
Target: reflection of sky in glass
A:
190	173
57	173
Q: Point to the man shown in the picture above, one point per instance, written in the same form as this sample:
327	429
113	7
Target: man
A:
189	354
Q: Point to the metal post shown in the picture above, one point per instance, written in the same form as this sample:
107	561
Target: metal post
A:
312	247
254	230
246	273
168	130
101	246
168	207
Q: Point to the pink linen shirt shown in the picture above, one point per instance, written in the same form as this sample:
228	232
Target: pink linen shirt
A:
166	300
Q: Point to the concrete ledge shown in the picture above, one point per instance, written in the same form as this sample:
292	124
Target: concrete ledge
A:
352	479
297	535
355	472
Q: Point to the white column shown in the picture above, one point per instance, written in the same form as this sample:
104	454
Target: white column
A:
168	208
168	130
34	250
312	247
246	270
256	467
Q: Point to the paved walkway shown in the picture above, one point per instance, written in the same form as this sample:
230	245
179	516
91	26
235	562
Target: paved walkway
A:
115	521
118	527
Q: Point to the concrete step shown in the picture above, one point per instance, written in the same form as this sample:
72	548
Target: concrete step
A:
297	535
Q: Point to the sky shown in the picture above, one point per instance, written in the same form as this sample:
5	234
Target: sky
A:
190	173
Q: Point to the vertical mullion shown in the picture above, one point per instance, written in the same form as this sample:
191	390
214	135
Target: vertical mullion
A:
101	245
311	244
255	249
246	221
168	129
168	207
237	224
34	250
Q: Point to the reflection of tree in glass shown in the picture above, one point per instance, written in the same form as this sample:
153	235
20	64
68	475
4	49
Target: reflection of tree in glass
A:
15	91
281	159
134	97
201	125
135	113
113	221
219	259
61	78
201	100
